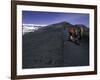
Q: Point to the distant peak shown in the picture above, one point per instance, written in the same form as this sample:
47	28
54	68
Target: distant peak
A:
80	25
30	25
64	22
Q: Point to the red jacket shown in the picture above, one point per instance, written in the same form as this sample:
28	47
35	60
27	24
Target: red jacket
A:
71	30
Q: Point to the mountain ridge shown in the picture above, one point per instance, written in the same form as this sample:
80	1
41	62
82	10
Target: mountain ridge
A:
59	25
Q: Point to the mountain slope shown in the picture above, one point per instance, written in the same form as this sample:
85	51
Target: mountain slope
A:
45	48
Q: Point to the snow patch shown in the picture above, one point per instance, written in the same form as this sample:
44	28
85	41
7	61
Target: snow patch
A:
26	28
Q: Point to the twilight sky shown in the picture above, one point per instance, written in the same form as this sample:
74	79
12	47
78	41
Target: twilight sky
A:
46	18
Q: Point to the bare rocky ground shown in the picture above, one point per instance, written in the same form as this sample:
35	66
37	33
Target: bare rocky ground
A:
48	47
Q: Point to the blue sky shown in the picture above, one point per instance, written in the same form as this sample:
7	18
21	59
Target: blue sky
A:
46	18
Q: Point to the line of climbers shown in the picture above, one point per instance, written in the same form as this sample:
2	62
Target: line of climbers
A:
75	34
